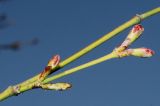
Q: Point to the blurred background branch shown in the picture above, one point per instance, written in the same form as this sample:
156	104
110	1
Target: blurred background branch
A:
16	45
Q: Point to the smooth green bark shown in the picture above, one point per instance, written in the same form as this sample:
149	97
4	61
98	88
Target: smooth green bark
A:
29	84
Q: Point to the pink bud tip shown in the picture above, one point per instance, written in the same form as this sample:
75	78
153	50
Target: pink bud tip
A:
138	27
55	60
149	51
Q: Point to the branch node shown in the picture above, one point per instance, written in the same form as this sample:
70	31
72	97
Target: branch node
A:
16	90
139	17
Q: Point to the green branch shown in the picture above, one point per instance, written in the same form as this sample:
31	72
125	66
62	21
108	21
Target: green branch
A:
73	70
135	20
34	83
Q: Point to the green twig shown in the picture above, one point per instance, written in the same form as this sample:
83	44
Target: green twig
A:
89	64
30	84
135	20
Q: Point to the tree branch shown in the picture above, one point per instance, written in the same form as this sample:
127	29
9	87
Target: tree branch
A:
34	82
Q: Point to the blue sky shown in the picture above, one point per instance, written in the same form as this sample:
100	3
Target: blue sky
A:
66	26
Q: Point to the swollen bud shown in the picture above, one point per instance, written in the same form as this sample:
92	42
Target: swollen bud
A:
135	32
57	86
133	35
54	61
141	52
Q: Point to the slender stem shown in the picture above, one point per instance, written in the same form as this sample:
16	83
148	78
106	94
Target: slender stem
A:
28	84
134	20
8	92
83	66
150	13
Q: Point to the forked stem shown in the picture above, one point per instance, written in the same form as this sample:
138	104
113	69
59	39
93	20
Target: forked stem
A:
135	20
29	84
83	66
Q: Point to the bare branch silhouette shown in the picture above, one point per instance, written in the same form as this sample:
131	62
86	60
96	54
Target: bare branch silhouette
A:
17	45
4	21
3	17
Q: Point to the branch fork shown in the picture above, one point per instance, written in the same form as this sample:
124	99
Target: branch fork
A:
43	81
53	63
